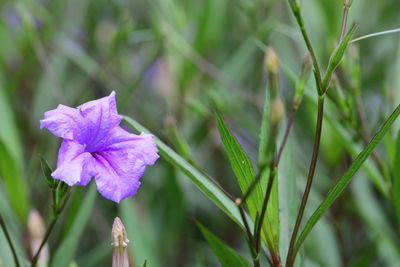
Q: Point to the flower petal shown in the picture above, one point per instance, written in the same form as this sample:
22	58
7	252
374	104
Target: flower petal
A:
100	117
74	165
139	146
122	163
63	122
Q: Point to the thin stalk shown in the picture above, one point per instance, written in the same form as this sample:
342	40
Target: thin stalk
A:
6	233
248	232
300	22
257	234
310	178
46	237
286	135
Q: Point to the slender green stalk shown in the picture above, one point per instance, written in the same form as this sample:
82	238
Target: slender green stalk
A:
310	178
296	12
6	233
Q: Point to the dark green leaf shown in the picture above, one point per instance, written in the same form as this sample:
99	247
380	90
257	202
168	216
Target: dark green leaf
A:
47	173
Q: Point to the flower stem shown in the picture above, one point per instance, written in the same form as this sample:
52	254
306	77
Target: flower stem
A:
6	233
314	158
46	237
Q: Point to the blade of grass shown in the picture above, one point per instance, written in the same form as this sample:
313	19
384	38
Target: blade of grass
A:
240	164
343	182
396	180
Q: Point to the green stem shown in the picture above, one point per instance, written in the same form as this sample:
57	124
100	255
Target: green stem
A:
300	22
310	178
6	233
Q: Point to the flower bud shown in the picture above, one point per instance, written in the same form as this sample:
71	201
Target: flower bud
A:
36	232
277	110
347	3
119	242
271	61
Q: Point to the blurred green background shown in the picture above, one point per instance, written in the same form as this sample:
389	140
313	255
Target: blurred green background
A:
170	62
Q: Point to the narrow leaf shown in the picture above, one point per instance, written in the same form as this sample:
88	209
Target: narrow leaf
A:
226	256
271	223
344	181
396	179
241	164
47	172
244	172
337	56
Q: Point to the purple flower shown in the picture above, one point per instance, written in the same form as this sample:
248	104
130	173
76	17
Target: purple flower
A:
96	146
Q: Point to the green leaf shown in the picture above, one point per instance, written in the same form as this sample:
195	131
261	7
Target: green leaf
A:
66	251
226	256
201	180
344	181
47	173
396	179
11	159
241	165
142	243
337	56
267	149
